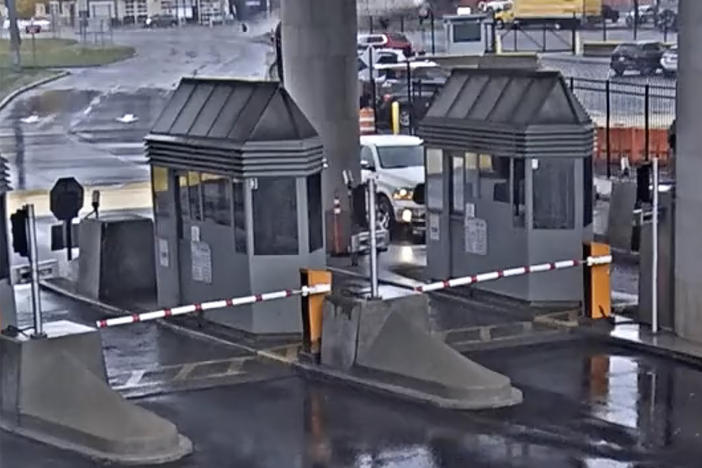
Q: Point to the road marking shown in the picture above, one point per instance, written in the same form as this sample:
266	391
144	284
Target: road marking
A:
185	371
135	378
182	373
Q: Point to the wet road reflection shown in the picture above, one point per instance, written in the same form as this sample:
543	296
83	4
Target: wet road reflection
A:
586	406
60	132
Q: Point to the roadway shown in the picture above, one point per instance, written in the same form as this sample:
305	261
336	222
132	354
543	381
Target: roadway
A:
586	405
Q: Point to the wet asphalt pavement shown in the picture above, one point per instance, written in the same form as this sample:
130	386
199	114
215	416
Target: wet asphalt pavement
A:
586	405
70	128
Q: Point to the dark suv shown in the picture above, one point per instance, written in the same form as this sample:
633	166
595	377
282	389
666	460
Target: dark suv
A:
644	57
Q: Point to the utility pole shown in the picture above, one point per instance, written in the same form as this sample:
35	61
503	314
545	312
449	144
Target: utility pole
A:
15	40
636	19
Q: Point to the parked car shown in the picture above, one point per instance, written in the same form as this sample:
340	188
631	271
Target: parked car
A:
33	25
371	40
398	164
647	15
610	14
644	57
386	41
161	21
669	61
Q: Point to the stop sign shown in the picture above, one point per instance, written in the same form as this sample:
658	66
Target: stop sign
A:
66	198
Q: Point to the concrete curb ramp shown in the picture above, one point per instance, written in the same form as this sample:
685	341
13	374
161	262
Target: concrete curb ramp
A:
54	390
384	345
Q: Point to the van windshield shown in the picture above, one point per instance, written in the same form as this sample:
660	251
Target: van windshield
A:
396	157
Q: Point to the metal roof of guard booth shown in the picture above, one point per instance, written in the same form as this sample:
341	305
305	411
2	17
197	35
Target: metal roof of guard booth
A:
239	127
530	113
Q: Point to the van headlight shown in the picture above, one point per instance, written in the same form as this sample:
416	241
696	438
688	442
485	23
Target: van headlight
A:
403	194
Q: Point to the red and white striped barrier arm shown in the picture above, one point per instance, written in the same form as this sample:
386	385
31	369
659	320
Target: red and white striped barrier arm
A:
519	271
189	309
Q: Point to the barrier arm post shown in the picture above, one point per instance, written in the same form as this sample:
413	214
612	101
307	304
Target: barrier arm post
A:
312	306
598	293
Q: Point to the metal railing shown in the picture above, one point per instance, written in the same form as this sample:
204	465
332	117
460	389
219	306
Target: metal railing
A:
617	103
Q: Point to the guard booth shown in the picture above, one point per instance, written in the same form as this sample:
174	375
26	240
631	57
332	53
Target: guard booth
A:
509	180
236	171
465	34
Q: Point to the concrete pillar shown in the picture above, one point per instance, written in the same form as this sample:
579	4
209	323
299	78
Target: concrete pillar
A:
321	74
688	219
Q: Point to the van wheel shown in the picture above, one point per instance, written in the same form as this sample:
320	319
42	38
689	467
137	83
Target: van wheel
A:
386	213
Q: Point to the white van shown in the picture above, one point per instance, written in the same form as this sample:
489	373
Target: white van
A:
398	163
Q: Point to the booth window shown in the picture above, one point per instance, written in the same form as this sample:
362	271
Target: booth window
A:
457	182
518	198
183	198
239	217
275	216
216	202
194	197
554	204
435	180
472	176
495	171
159	182
314	211
467	32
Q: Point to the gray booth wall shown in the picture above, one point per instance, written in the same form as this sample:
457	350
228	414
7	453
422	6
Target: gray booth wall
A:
236	268
508	243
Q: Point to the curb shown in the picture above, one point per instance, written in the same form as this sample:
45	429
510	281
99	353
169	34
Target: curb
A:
8	99
646	348
575	59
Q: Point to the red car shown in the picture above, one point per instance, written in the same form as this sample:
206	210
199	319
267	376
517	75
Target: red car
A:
399	41
386	41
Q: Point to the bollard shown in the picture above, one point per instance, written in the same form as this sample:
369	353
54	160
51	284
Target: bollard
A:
598	294
336	228
372	229
395	118
312	312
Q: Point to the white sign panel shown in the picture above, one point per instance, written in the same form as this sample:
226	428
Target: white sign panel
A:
470	210
201	259
163	256
476	236
434	229
195	233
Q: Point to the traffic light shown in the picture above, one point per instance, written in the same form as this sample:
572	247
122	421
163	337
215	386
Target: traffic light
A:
20	239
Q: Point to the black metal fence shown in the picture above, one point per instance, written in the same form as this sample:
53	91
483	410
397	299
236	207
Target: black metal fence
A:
617	106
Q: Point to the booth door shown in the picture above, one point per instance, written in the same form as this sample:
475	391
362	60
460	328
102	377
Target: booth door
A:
438	237
211	259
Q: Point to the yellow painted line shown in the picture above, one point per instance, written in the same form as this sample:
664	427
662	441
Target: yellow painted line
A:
132	196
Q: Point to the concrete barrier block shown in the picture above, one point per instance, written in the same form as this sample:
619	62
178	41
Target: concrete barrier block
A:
54	390
350	325
415	309
621	208
341	316
413	358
